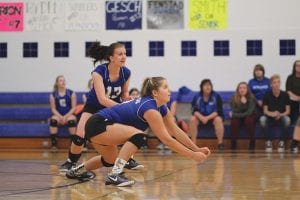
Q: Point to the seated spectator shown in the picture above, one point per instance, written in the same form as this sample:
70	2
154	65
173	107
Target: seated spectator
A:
243	106
293	90
259	85
276	107
62	104
134	93
207	109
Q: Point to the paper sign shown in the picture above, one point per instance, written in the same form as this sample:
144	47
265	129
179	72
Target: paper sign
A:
11	17
208	14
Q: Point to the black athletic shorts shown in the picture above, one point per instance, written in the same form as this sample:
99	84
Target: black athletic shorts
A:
91	108
95	125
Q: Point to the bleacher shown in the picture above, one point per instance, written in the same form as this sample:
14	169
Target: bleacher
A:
25	115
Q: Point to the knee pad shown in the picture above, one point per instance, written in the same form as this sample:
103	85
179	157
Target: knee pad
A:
72	123
139	140
79	141
106	164
53	122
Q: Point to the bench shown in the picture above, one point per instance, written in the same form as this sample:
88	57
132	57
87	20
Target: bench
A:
26	114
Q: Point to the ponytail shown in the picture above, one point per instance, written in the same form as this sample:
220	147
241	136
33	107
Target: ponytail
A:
150	84
102	53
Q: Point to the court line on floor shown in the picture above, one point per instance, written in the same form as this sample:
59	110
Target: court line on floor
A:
41	189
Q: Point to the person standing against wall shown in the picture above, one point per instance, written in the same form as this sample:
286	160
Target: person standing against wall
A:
293	89
259	85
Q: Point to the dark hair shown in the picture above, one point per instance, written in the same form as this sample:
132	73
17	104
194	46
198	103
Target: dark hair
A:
133	90
102	53
260	68
294	67
205	81
150	84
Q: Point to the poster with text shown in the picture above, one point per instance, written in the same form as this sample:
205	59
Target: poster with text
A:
165	14
208	14
83	16
11	17
45	15
123	14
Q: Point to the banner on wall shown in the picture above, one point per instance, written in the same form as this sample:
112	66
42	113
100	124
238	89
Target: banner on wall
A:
82	16
123	14
11	16
44	15
208	14
165	14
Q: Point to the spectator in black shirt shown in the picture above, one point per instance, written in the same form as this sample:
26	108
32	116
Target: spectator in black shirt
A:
276	108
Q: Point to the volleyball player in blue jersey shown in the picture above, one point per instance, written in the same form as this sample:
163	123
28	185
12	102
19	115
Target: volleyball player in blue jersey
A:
110	87
62	104
126	124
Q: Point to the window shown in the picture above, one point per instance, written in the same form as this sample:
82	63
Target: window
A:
30	49
128	47
88	45
156	48
221	48
287	47
61	49
254	47
188	48
3	50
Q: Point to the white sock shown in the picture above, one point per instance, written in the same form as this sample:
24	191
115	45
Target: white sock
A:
118	166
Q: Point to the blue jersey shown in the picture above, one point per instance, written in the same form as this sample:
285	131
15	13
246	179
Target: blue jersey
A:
214	104
259	87
63	104
113	90
131	112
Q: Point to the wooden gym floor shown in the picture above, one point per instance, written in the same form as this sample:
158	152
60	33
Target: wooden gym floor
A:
33	174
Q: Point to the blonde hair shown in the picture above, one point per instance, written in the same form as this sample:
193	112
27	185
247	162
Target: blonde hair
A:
274	77
150	84
55	86
90	84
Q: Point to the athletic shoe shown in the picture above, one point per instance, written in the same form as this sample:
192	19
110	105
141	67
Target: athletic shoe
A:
268	146
66	166
132	164
280	147
294	149
161	146
233	144
252	145
54	149
80	173
221	147
118	180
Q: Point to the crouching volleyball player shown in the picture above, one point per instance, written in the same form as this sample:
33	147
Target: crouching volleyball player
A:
125	124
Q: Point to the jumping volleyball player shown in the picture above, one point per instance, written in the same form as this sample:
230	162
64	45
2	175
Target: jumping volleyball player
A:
126	124
110	87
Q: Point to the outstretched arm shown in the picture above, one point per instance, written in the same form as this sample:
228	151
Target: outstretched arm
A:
156	123
180	135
